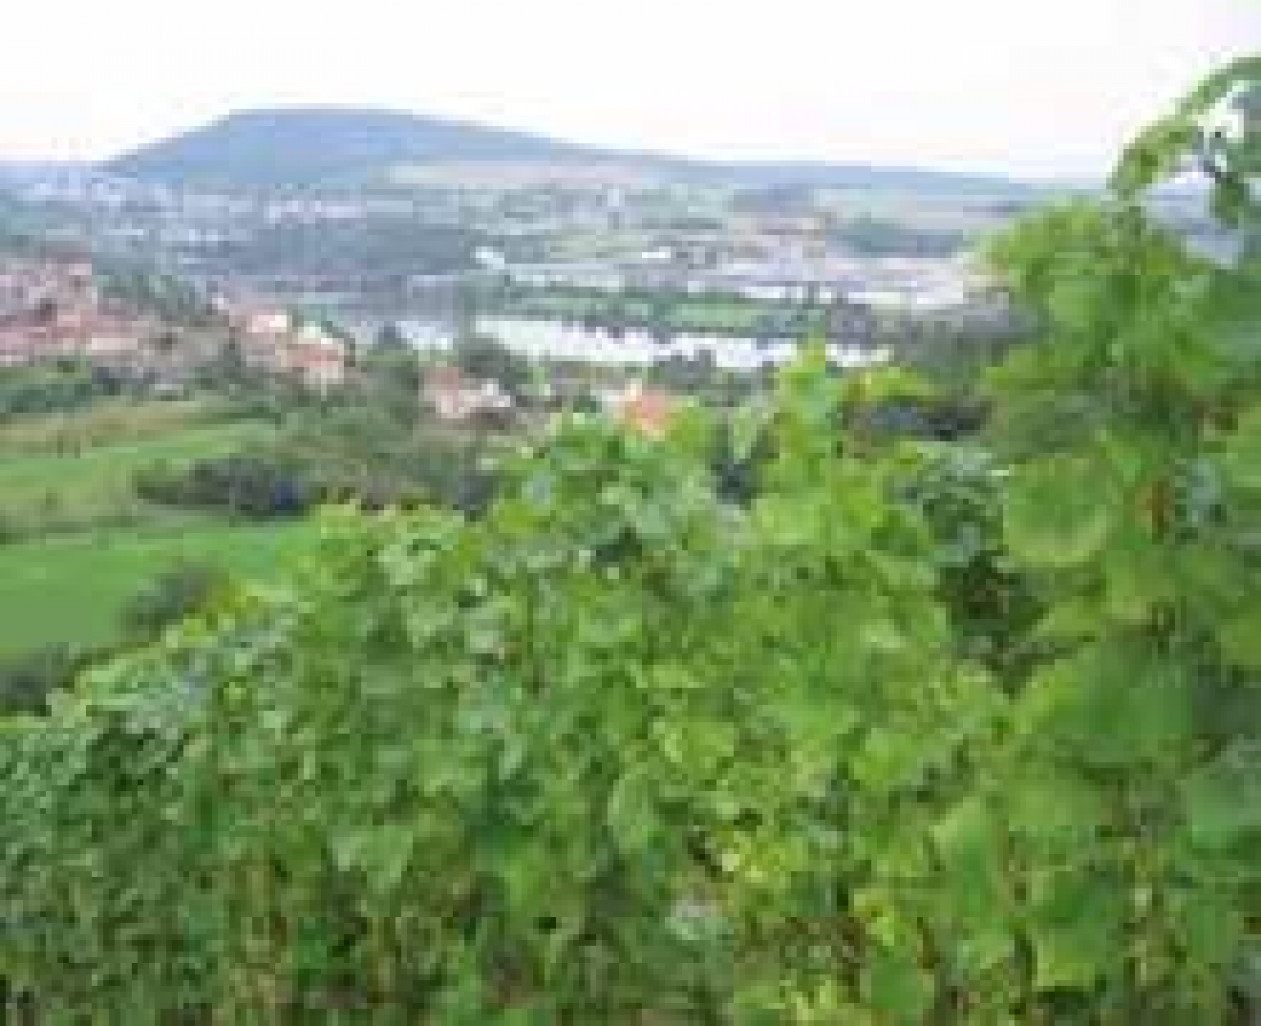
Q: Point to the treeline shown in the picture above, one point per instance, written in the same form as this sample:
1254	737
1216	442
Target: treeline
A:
57	387
882	237
312	463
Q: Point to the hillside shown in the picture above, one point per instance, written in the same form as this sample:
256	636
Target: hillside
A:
307	146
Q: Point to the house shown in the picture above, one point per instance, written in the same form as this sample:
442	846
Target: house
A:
111	339
266	322
28	283
317	359
271	341
253	318
646	411
319	362
455	397
23	343
17	347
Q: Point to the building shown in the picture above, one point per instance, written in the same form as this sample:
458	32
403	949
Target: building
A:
263	321
114	340
309	354
21	345
101	338
455	397
272	341
29	283
646	411
319	362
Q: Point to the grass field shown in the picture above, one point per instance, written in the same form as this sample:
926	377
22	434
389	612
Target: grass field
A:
73	589
85	543
706	314
111	422
78	486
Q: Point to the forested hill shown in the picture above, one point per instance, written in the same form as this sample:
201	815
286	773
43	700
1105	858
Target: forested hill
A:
305	146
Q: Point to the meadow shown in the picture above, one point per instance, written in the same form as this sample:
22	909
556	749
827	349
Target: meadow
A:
81	543
723	315
73	589
65	473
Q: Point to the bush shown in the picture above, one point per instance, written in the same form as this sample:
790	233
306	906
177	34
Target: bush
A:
171	597
48	388
257	487
27	680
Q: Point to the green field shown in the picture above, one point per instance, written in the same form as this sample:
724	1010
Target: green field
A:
722	315
82	543
87	485
73	589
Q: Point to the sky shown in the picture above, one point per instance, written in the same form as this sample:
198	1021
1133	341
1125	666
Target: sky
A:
1037	88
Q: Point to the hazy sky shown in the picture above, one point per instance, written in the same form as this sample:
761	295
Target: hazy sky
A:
1026	86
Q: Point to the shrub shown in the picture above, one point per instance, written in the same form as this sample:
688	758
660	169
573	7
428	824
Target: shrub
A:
27	679
171	597
258	487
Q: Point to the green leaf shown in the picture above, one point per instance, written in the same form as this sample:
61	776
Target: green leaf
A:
1240	463
1055	807
1137	578
895	985
889	758
1240	637
1111	704
1073	302
381	853
1209	921
631	814
1076	926
1222	800
1159	150
1058	513
973	895
749	424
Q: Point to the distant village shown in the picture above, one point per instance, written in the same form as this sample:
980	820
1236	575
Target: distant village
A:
56	309
599	283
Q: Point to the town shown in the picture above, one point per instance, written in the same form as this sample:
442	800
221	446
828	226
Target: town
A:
157	281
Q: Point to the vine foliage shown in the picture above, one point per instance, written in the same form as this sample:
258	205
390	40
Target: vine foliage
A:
921	733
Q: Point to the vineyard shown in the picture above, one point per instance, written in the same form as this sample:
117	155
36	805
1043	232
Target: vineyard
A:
917	732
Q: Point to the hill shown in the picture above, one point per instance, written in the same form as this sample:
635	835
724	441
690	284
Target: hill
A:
310	146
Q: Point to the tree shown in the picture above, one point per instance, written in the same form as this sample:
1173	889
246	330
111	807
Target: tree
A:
228	366
391	337
484	357
392	374
171	597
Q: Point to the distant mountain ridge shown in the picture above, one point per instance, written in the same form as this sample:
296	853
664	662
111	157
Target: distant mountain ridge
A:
315	146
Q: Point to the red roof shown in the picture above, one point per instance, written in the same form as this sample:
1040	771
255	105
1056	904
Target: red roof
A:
646	411
309	354
446	379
